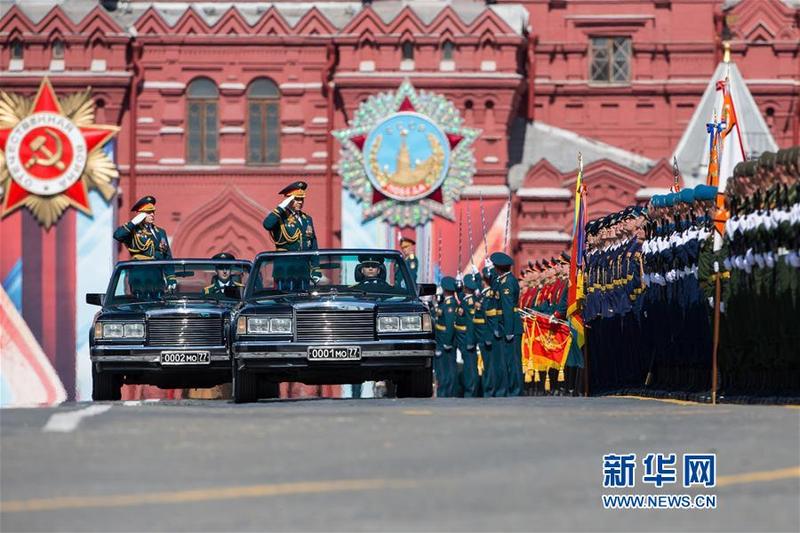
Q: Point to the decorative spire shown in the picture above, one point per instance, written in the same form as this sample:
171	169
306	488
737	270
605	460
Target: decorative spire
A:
726	51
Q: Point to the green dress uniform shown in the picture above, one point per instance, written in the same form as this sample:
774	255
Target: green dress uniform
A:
509	332
292	231
496	363
446	341
468	342
413	266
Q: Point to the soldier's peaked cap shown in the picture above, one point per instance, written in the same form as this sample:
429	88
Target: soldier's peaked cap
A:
146	204
472	282
404	240
705	192
448	283
298	189
370	259
565	257
501	259
224	255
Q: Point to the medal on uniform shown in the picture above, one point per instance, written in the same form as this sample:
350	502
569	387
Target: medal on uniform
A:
51	154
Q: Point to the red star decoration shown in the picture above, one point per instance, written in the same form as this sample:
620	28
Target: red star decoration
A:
94	136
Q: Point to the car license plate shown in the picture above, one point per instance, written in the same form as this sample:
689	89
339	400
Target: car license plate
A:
334	353
185	358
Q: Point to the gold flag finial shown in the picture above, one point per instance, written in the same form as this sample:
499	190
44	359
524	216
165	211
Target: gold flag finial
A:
726	51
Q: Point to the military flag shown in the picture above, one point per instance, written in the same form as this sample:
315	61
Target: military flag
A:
575	293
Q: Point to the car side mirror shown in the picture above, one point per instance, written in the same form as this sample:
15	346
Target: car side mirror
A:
95	298
426	289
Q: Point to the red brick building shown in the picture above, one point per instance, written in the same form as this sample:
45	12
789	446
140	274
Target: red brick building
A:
221	104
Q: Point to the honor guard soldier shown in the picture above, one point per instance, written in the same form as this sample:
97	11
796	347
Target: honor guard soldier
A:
446	340
509	332
223	282
292	230
407	247
483	331
143	238
468	344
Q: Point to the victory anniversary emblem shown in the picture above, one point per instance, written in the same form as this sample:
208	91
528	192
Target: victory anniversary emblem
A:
407	156
51	154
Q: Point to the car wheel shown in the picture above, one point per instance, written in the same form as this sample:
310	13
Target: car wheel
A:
106	386
245	387
268	389
417	384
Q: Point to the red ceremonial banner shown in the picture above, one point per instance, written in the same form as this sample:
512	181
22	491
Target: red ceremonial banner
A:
545	343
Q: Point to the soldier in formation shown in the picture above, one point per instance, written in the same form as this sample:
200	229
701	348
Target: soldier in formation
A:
758	267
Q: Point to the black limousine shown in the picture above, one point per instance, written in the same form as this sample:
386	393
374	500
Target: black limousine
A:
165	323
332	317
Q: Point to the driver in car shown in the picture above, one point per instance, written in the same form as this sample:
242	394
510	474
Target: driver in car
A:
223	282
370	274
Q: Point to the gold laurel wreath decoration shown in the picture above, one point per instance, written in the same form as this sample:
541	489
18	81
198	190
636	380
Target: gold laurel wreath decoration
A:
99	172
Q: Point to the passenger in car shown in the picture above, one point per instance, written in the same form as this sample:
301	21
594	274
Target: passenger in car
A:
223	282
371	274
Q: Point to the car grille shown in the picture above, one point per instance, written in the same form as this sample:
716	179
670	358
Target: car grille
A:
341	326
185	331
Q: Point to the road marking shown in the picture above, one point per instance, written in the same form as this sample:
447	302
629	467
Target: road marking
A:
131	403
664	400
202	495
759	477
66	422
417	412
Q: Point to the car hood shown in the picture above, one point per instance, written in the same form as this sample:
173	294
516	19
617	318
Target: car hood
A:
329	302
171	308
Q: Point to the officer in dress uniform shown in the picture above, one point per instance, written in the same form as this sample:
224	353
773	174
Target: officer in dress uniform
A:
446	340
223	282
484	331
467	342
146	241
509	331
371	274
292	230
407	247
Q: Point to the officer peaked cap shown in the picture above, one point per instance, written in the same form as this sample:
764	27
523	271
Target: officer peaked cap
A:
367	259
566	257
448	283
408	240
686	196
224	255
146	204
472	282
501	259
705	192
297	189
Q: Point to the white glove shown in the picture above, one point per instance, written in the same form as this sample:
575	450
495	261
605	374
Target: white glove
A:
488	263
286	201
138	219
474	269
459	277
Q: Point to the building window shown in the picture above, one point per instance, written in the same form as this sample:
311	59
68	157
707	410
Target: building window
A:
16	49
202	145
611	60
447	50
58	49
263	123
408	51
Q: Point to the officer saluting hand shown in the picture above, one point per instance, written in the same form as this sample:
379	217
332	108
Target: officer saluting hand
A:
142	237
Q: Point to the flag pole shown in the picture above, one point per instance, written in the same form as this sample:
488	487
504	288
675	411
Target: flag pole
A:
717	291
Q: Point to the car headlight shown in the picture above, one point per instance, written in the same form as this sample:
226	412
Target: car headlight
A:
265	325
119	330
388	324
402	323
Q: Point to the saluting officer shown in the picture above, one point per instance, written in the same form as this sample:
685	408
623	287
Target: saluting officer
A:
142	237
407	247
223	282
509	332
292	230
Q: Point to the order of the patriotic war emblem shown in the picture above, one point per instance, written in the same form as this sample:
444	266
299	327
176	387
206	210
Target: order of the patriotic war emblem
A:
51	153
407	156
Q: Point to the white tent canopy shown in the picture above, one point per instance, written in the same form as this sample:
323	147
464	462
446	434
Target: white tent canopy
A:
692	150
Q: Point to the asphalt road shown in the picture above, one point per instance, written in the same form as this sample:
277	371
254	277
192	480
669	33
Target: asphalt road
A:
354	465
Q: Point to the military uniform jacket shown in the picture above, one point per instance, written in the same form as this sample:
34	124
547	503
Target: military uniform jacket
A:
291	231
508	289
218	287
144	242
413	265
446	322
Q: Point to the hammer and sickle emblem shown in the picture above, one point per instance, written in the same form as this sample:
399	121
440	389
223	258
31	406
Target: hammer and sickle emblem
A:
50	158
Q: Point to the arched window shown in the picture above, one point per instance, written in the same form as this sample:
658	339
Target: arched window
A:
447	50
58	49
16	49
202	145
408	51
263	123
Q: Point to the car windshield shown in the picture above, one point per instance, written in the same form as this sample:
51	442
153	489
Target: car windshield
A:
148	282
380	275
